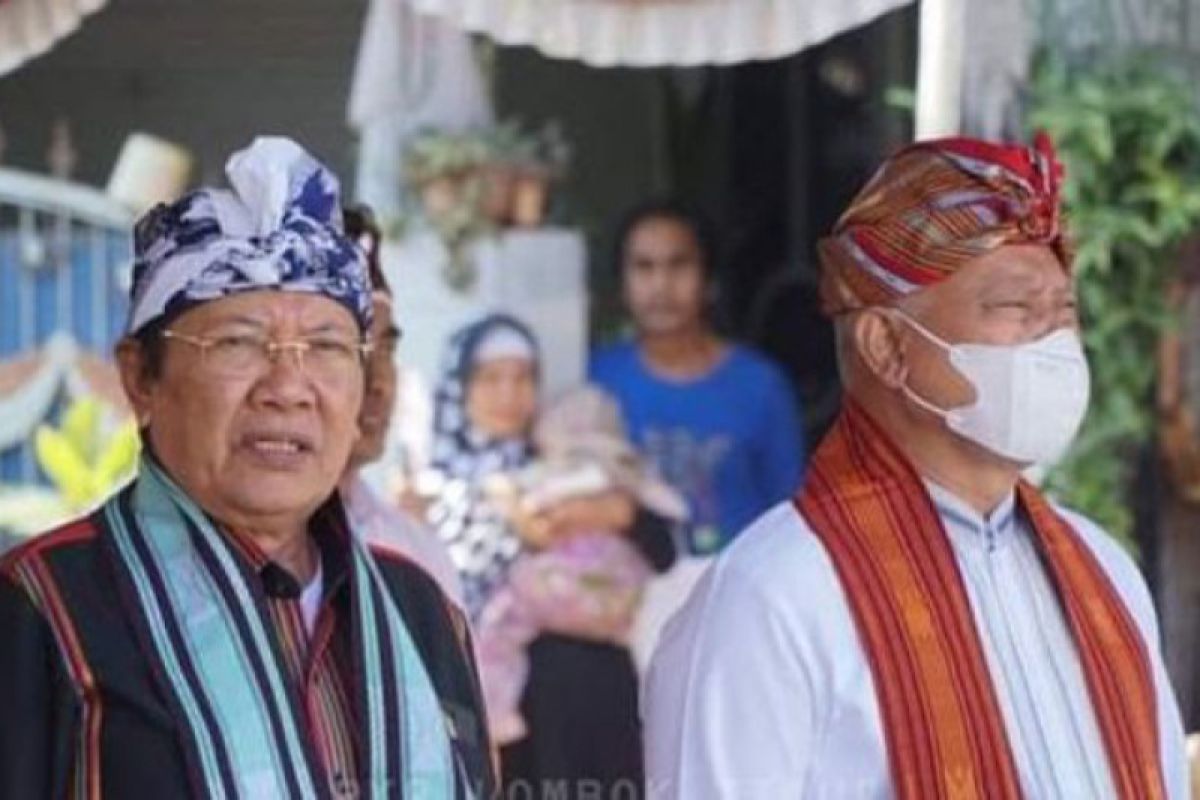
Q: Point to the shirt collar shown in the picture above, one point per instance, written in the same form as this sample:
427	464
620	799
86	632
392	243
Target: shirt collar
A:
996	527
328	529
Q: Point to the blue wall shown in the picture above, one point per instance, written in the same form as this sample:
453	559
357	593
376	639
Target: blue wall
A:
75	291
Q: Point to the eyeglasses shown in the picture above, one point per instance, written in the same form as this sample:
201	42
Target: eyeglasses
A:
325	358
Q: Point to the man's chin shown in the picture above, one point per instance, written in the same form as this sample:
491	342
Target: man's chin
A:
989	457
279	507
270	492
663	326
366	453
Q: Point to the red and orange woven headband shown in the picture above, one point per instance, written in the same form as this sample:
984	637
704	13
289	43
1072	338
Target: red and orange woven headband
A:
933	207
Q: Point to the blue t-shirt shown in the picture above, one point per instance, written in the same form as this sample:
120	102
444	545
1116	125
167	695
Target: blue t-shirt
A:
730	440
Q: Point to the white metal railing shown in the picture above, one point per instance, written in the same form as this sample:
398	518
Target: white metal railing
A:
54	196
64	260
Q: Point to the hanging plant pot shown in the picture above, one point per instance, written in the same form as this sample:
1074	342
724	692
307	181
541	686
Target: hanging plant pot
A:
459	271
459	227
472	184
531	196
499	184
441	195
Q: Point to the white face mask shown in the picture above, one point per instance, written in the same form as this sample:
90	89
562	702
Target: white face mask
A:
1030	398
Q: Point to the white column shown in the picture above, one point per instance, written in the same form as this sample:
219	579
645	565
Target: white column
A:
940	68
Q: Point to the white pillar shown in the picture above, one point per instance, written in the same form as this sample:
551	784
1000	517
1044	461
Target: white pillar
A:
940	68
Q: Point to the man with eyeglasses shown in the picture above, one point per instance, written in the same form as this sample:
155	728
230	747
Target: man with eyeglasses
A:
214	629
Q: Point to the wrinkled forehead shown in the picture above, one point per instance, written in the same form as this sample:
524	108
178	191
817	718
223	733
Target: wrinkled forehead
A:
1016	267
1007	274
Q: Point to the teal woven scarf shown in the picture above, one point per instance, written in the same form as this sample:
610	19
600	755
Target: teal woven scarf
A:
225	685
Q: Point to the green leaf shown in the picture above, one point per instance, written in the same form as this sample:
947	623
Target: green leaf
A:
119	457
1128	132
80	424
65	466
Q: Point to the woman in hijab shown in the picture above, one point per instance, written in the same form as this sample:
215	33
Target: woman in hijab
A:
580	700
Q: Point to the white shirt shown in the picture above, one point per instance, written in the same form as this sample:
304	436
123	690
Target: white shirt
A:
391	528
760	687
310	598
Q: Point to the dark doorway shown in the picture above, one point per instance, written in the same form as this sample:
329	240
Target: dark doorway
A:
772	151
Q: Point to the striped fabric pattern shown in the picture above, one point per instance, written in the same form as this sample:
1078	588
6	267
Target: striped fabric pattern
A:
231	694
943	726
932	208
424	768
320	669
34	576
1113	653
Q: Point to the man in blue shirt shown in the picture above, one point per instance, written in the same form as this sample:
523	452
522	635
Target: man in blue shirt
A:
718	419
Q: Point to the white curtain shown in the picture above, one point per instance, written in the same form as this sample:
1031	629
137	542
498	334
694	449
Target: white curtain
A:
643	33
29	28
998	36
413	71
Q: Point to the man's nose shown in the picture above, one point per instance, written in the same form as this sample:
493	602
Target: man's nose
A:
659	278
286	382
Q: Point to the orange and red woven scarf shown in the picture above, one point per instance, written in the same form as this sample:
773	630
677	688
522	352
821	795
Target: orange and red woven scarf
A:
942	722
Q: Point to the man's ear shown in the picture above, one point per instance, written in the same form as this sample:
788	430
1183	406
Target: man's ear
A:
880	345
136	378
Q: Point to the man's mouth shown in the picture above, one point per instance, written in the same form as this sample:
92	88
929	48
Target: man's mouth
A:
278	443
661	309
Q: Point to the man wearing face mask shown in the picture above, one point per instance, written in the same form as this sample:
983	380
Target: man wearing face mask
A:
919	622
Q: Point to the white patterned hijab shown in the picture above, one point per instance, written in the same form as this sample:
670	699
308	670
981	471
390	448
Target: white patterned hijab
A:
481	543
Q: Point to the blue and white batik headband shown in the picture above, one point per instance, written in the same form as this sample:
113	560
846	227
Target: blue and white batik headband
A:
279	228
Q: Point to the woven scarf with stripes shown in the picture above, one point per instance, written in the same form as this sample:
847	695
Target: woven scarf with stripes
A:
942	722
244	733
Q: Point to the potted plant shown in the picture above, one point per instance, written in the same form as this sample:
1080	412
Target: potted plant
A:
543	162
506	147
446	169
458	227
442	165
472	183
